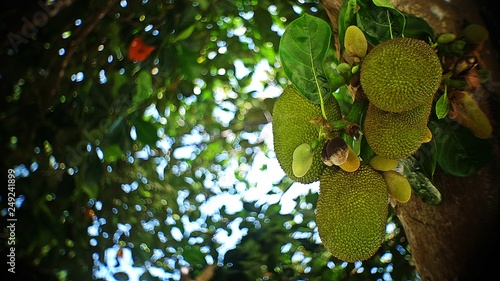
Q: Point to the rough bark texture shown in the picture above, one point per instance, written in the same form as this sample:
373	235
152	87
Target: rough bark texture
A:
458	239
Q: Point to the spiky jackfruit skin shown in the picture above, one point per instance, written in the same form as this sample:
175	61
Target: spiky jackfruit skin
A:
351	212
291	128
396	134
400	74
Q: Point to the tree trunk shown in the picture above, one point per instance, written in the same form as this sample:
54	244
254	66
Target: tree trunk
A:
457	239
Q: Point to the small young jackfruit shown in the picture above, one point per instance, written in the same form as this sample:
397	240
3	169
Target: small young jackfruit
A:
352	162
475	33
446	38
381	163
355	42
291	128
351	213
400	74
396	135
302	160
427	136
397	186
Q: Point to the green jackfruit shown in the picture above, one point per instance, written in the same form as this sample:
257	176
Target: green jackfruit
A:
397	186
400	74
396	134
475	33
291	128
355	42
381	163
302	160
352	163
351	213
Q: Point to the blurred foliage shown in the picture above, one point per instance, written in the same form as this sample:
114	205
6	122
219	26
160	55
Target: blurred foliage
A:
117	160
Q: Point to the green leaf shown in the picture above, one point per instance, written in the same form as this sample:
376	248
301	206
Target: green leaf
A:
184	34
418	28
118	81
88	179
302	50
146	132
427	158
112	153
421	185
144	84
380	23
383	3
442	106
347	17
459	152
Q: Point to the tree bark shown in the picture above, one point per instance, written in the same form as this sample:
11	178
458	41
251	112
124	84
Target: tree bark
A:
457	239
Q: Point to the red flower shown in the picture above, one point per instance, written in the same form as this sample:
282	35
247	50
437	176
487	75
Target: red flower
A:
139	50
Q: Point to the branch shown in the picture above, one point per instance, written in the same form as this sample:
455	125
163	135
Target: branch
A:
332	8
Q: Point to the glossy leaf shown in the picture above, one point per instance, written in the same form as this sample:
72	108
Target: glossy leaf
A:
302	50
379	23
418	28
144	85
442	106
112	153
459	152
347	17
146	132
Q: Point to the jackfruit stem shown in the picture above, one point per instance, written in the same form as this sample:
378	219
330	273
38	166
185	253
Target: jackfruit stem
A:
335	84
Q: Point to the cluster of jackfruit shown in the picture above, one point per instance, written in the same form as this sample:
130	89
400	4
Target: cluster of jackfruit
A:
352	206
353	201
399	77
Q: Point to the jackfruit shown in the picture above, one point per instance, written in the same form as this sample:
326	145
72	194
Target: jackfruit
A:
381	163
427	136
351	212
475	33
291	128
302	160
396	134
397	186
400	74
446	38
352	162
355	42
